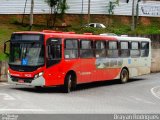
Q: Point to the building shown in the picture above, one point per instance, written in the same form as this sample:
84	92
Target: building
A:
148	8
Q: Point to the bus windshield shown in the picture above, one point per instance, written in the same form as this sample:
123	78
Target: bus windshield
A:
27	54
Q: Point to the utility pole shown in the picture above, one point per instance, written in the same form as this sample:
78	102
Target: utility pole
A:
137	13
24	11
89	5
31	14
82	13
133	19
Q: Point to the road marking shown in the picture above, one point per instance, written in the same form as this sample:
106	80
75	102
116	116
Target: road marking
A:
142	100
23	110
5	96
155	92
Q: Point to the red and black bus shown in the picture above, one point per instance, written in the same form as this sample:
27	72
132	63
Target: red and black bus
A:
52	58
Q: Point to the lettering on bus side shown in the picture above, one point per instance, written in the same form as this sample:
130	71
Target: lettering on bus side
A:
108	63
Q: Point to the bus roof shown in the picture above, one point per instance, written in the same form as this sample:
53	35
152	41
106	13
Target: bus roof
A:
121	38
59	34
51	33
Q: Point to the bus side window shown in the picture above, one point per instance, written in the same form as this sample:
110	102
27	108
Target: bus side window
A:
86	49
112	49
135	49
71	48
100	49
124	49
144	49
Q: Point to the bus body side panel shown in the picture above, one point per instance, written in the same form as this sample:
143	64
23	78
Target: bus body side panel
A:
107	74
52	75
89	72
55	75
87	69
108	68
139	66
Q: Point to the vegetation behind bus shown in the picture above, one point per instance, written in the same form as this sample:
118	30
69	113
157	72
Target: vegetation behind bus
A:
118	27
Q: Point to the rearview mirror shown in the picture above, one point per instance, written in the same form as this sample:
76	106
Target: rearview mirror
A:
5	47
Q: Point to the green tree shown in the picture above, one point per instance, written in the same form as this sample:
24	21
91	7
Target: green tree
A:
111	6
52	4
56	6
63	7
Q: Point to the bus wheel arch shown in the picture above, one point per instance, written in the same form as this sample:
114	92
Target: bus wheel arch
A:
70	81
124	75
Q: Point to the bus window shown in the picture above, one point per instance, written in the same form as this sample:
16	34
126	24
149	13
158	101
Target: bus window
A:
71	48
53	52
112	49
144	49
135	52
100	49
86	49
124	49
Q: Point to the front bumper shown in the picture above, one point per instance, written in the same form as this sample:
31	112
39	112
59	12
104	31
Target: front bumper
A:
40	81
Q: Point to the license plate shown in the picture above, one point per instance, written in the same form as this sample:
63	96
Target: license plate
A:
21	81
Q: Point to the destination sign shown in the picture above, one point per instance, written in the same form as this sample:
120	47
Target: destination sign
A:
27	37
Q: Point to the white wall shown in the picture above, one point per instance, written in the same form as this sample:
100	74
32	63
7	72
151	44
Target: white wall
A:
17	7
151	9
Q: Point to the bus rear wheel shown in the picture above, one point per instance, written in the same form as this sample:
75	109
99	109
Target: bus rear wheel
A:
68	83
124	76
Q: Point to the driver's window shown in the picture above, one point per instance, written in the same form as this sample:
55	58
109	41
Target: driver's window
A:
54	54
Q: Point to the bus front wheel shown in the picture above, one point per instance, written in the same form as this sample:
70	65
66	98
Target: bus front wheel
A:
124	76
68	83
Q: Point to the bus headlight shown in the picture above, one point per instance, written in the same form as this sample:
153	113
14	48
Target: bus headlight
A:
38	75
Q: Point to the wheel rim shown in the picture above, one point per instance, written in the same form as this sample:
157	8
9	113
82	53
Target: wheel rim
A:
69	83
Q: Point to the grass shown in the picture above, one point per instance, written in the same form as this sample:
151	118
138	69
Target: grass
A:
3	57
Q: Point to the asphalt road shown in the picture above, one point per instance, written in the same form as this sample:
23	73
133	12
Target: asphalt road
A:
140	95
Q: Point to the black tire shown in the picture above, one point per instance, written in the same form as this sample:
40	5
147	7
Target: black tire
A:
68	83
38	87
124	76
